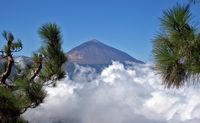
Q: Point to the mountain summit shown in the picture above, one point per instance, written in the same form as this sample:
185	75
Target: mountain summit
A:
92	54
95	52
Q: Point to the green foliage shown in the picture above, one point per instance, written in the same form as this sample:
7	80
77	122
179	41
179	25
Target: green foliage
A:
8	36
35	93
54	56
12	44
9	104
176	47
27	89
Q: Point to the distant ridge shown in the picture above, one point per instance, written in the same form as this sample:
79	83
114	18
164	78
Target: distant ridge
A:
95	52
92	54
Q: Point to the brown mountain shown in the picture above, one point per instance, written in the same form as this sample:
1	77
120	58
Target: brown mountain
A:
94	52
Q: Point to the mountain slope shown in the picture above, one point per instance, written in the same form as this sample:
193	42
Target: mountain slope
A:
95	52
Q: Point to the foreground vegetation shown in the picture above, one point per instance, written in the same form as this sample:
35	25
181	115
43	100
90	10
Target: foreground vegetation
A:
176	47
25	89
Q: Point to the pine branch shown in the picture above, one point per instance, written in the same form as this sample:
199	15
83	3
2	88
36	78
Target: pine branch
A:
38	62
7	72
24	109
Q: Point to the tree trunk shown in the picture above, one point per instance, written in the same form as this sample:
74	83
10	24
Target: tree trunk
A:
5	75
37	70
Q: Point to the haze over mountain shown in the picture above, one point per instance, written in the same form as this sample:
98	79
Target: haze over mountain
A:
95	52
92	53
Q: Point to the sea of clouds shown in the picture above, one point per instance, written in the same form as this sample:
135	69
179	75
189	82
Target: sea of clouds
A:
119	94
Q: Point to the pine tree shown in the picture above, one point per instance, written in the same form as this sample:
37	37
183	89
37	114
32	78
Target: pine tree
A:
26	89
176	47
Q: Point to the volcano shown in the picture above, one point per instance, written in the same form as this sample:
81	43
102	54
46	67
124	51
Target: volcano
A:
95	52
96	55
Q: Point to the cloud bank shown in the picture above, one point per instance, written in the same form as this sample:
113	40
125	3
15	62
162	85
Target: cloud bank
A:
120	94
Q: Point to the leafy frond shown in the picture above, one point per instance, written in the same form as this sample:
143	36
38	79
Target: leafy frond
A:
176	19
17	46
175	50
51	35
4	34
12	45
36	93
8	36
52	52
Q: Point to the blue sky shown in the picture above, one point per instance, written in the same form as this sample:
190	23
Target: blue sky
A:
128	25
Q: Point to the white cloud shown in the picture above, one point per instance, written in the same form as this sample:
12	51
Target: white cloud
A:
120	94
